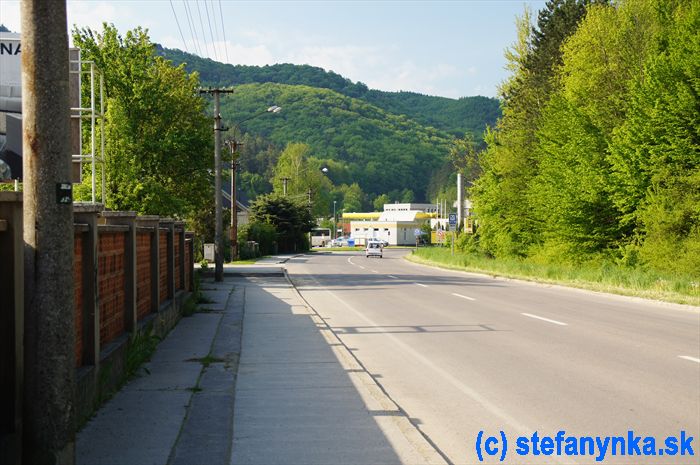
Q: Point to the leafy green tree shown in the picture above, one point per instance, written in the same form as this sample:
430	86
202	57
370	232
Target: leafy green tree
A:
353	197
656	152
291	219
379	202
303	173
511	161
158	139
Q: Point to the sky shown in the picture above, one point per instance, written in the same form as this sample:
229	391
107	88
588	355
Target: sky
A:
445	48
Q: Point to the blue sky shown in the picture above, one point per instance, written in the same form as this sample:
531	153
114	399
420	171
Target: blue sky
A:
446	48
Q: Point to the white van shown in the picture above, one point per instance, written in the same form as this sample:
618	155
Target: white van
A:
374	249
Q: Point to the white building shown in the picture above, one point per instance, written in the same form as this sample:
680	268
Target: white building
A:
397	224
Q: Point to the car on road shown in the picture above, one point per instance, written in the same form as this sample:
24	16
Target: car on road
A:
374	249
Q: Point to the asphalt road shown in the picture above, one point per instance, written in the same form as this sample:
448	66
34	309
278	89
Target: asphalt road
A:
463	353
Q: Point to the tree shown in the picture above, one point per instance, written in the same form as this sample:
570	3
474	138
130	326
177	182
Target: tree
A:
655	154
380	201
158	138
290	218
302	173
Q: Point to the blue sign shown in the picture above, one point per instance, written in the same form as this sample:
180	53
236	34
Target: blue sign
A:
453	219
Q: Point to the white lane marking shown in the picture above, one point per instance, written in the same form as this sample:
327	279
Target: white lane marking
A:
419	284
545	319
687	357
362	267
476	396
392	277
375	271
463	296
350	261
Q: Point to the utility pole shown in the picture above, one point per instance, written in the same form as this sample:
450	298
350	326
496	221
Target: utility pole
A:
233	146
218	214
460	200
49	360
284	186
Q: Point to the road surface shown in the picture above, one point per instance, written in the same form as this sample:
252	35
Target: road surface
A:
463	353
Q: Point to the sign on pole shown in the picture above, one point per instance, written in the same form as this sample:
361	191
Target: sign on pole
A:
453	220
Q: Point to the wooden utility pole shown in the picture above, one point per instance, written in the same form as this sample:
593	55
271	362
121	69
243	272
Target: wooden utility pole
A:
49	416
218	214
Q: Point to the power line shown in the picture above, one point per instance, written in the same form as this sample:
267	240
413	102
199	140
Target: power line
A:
204	34
223	30
216	29
192	30
211	34
178	26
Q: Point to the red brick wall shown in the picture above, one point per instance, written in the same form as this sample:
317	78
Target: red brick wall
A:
143	274
163	258
78	280
112	259
178	281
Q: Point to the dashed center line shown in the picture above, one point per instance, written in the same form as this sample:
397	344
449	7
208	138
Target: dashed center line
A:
392	277
545	319
688	357
463	296
362	267
375	271
421	285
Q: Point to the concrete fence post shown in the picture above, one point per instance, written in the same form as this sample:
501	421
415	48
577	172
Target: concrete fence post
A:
151	221
190	264
86	213
180	233
169	224
127	219
11	327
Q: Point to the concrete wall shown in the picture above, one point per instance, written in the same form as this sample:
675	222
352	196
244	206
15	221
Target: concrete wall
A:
131	276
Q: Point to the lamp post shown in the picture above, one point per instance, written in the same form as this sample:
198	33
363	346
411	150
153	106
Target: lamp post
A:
233	146
335	223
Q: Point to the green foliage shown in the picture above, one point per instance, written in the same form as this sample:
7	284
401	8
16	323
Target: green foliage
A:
379	202
459	117
290	218
378	150
263	233
597	159
304	178
158	139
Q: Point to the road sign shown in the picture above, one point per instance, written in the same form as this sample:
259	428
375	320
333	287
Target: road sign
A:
417	232
453	219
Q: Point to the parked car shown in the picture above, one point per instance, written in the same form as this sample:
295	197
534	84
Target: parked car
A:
339	242
374	249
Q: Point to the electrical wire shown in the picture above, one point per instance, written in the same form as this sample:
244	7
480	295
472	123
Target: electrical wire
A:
178	27
195	39
223	30
204	34
211	33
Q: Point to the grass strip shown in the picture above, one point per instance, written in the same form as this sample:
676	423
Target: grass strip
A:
599	276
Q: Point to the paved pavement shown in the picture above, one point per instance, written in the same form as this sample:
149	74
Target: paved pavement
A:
254	377
462	353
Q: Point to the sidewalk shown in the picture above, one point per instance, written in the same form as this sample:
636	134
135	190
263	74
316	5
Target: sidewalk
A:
300	396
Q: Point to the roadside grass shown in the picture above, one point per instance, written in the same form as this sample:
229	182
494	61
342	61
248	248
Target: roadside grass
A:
600	276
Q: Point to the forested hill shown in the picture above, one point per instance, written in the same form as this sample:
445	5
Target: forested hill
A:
455	116
379	150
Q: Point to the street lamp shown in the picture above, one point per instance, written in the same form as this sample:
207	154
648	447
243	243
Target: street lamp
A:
335	223
233	146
